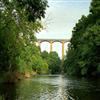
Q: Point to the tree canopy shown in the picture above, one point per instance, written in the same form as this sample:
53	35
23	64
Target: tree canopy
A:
83	56
19	21
53	61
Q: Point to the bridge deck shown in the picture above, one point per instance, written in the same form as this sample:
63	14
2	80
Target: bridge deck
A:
54	40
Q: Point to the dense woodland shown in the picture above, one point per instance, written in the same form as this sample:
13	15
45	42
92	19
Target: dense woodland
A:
83	56
19	21
53	61
19	55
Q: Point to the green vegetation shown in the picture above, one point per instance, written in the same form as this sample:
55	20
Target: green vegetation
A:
19	55
53	61
83	56
19	21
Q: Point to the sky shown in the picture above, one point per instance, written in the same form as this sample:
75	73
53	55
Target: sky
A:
61	17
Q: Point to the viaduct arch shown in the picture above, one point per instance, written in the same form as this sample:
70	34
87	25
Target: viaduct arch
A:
51	41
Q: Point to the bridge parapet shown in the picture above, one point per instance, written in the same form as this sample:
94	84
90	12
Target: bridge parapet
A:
53	40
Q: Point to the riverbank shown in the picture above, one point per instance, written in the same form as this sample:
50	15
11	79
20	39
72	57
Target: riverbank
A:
15	76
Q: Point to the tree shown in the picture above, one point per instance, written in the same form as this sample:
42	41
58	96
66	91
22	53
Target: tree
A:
53	61
19	21
83	57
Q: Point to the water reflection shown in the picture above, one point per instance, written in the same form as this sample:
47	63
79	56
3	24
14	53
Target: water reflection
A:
8	91
52	88
83	89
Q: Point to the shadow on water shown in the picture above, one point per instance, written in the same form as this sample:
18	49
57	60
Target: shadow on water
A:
7	91
83	89
54	87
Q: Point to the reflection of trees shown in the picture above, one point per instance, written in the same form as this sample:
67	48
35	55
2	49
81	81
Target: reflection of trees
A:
51	88
34	90
82	94
7	91
83	89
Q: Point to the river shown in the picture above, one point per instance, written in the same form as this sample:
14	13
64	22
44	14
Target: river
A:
52	87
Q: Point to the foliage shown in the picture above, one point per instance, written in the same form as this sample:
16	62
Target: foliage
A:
40	65
19	21
53	61
83	56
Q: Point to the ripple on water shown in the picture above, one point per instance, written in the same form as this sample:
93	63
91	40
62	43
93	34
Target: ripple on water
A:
53	87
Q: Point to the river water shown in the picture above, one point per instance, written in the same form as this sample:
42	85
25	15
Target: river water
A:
52	87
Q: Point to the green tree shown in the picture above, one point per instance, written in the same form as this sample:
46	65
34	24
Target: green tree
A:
19	21
53	61
83	57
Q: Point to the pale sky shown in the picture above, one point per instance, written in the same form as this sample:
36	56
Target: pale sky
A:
61	17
